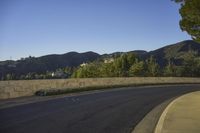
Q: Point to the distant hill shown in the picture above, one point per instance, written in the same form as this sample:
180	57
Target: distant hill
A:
73	59
173	52
46	63
115	54
162	55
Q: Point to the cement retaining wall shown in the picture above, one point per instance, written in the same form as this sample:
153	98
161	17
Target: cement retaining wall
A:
19	88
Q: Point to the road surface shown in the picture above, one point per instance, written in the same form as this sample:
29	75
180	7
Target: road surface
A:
111	111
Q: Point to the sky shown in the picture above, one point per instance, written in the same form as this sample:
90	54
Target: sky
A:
40	27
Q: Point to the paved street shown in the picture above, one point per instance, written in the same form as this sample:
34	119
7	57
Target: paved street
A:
110	111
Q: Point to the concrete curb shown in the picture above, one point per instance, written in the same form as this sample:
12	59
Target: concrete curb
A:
161	120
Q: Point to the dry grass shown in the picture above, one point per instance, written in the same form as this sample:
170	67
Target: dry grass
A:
11	89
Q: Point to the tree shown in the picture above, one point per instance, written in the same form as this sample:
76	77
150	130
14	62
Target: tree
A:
190	13
170	69
131	58
191	63
152	67
120	66
123	63
137	69
90	70
107	70
9	76
30	76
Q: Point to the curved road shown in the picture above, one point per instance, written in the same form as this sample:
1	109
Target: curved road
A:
111	111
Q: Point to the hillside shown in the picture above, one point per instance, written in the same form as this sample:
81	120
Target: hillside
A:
46	63
173	52
116	54
42	64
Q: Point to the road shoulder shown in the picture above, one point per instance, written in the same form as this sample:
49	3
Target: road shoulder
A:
181	115
149	122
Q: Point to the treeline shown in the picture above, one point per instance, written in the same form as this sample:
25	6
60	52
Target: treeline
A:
129	65
65	72
124	65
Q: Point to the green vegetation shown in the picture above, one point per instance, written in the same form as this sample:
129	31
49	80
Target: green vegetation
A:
179	60
43	67
110	67
125	65
129	65
137	69
190	13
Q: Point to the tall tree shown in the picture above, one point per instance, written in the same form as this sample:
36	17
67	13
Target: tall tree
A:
191	64
137	69
170	69
152	67
190	13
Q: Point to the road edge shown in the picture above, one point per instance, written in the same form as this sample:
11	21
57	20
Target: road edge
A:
159	126
154	120
149	122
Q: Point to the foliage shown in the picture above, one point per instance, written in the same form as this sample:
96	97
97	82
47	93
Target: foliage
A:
175	60
152	67
119	67
191	64
170	69
9	76
88	71
130	65
125	65
40	65
190	13
137	69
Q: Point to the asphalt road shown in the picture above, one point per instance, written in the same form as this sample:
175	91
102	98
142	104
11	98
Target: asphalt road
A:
112	111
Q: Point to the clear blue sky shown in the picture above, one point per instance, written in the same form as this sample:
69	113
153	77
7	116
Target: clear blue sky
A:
40	27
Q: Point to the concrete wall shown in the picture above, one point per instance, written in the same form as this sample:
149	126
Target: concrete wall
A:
19	88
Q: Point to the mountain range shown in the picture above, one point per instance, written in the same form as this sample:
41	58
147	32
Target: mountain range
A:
73	59
173	52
